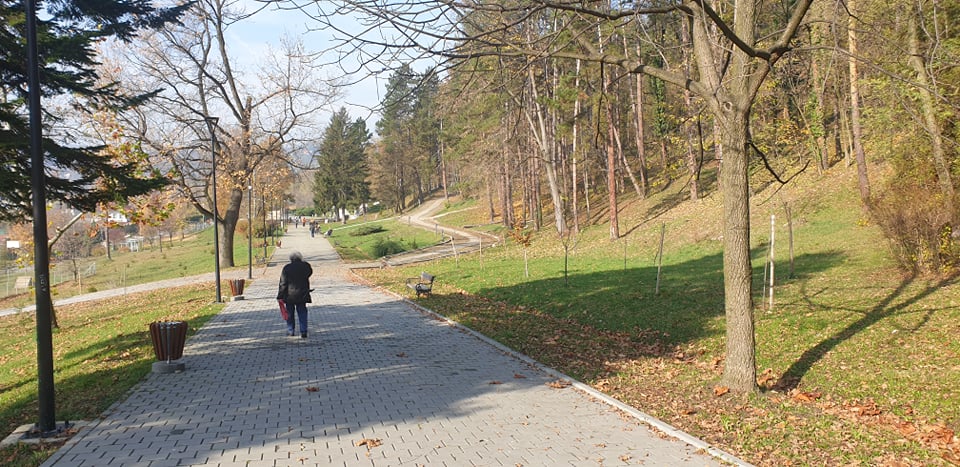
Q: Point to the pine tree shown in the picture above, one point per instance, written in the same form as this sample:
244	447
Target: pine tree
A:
391	163
76	173
341	177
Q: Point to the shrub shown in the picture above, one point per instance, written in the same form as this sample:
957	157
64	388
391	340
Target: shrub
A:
367	230
385	247
912	217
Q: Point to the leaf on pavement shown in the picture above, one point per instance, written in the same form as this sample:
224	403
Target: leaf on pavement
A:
559	384
369	442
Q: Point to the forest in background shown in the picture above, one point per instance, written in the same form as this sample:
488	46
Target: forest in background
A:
866	83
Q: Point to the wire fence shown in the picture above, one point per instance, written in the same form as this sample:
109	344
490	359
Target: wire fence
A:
16	280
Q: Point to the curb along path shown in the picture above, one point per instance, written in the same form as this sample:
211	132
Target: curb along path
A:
376	383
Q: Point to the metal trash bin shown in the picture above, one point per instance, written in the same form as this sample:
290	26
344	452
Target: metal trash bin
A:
168	339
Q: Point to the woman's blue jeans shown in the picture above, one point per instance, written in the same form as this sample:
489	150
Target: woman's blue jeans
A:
301	313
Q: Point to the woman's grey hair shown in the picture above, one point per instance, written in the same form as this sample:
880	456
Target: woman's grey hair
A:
296	256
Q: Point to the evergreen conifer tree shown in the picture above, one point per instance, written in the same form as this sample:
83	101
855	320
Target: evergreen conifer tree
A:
341	177
77	174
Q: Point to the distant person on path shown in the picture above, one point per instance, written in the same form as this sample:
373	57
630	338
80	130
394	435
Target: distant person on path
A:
295	292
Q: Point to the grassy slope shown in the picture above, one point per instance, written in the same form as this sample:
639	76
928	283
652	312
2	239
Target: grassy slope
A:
858	361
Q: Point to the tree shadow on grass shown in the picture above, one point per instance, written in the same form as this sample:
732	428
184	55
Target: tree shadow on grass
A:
895	302
685	310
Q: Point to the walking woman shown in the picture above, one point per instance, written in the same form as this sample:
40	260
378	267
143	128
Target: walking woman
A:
295	292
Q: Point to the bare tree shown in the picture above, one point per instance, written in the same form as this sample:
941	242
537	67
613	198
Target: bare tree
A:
855	126
265	114
733	55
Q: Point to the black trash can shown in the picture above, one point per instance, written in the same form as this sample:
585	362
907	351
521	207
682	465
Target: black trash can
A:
168	339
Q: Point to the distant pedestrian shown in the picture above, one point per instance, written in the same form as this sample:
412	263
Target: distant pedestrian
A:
295	292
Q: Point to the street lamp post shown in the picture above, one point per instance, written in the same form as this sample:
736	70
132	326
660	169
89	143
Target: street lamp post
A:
41	263
211	124
263	206
249	231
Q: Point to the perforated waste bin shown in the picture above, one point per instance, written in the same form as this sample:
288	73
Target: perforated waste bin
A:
168	339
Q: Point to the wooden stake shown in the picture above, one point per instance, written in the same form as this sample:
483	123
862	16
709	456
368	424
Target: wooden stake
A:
773	231
663	231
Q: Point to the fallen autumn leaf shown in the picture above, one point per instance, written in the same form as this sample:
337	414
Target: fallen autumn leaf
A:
369	442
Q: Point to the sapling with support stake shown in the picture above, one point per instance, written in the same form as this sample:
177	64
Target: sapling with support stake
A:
786	209
663	231
624	241
569	240
768	270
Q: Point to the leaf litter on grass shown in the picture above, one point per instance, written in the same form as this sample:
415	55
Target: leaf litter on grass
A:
676	383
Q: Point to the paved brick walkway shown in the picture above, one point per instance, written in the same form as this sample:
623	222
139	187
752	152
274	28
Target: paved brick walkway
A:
373	368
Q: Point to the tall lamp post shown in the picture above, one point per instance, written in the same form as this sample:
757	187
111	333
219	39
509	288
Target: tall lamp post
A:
41	263
263	206
249	231
211	125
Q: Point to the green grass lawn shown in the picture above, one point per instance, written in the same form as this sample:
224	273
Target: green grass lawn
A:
365	240
101	350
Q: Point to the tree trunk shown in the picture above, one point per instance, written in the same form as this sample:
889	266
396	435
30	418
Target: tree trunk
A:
491	211
612	176
228	227
638	120
505	200
537	195
586	192
623	160
663	153
612	185
820	37
525	188
693	164
546	146
740	367
940	164
855	128
575	204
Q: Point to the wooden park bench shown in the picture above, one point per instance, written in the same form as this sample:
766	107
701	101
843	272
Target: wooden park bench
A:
422	285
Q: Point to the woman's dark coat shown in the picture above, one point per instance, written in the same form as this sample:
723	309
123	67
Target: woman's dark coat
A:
295	282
